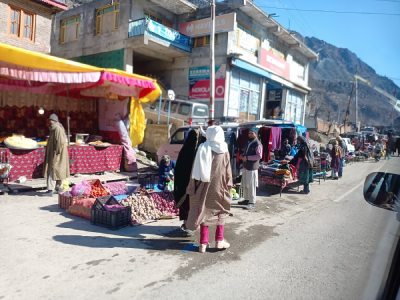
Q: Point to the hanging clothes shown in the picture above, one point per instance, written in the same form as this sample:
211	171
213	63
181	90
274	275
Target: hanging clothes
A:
265	138
276	140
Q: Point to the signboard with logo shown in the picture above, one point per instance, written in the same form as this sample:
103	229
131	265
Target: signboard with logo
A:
223	23
199	82
274	63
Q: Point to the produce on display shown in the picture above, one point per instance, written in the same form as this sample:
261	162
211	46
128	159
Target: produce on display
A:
165	203
116	188
98	189
20	142
143	208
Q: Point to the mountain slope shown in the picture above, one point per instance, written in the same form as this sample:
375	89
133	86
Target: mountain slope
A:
331	78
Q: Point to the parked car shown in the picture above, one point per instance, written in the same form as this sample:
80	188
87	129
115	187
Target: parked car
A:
350	147
188	112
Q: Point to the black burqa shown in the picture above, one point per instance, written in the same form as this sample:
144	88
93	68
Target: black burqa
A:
183	170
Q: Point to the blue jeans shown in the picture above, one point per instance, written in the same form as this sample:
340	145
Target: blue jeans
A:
340	171
306	188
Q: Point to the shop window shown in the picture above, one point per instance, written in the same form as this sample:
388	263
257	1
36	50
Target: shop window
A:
107	18
21	23
69	29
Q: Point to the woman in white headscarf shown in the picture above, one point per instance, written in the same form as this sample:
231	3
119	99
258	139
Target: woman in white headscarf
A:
209	188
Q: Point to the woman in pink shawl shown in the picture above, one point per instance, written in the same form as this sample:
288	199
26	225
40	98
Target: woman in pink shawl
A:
209	188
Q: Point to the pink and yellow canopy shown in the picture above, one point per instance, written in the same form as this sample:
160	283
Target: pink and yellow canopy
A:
24	70
40	73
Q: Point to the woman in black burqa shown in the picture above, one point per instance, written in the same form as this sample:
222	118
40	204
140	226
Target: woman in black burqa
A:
183	169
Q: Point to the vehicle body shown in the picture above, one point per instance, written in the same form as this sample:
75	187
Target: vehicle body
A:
188	112
350	147
178	138
383	190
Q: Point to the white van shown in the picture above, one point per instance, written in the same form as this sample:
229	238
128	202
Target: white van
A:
188	112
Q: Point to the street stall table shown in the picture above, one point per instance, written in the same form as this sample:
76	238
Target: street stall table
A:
83	159
281	183
281	175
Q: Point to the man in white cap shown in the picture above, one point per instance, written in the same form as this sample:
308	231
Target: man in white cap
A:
56	164
251	158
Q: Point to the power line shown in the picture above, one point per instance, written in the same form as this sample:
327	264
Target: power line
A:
333	11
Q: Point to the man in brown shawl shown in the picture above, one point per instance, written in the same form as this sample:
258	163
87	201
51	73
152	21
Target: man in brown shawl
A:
56	164
209	188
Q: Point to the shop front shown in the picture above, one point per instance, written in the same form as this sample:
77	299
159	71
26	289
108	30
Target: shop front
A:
255	93
33	85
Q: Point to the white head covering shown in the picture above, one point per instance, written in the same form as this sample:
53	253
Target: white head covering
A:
203	161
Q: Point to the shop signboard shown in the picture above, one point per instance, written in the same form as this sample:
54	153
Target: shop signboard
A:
274	63
199	82
177	39
202	27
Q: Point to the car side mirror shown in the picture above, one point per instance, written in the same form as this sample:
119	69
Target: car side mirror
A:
383	190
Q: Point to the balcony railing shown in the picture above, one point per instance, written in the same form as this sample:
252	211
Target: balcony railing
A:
150	27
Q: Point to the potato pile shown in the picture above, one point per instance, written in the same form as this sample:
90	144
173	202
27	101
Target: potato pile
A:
145	207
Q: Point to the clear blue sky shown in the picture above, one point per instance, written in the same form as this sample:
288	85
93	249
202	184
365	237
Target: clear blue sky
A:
374	38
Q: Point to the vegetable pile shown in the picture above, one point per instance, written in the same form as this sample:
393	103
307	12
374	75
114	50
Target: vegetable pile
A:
150	207
117	188
98	190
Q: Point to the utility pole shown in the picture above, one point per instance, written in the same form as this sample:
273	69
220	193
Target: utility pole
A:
212	62
358	128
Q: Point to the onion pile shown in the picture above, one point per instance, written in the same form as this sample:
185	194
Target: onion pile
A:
117	188
165	203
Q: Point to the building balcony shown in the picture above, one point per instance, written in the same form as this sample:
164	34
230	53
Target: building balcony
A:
146	33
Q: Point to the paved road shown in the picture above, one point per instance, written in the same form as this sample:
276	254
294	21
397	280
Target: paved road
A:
328	245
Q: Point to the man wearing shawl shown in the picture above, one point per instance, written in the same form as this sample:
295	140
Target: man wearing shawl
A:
251	158
56	164
303	160
209	188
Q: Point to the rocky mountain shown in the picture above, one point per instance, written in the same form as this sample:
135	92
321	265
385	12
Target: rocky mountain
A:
331	79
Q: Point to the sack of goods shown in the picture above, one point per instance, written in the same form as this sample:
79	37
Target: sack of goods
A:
20	142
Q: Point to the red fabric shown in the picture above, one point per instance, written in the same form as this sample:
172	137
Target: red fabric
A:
27	121
83	159
276	182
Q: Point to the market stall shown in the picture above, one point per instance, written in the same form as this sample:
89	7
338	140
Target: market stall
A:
34	85
83	160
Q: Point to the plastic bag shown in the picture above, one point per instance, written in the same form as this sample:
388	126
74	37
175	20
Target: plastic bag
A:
81	189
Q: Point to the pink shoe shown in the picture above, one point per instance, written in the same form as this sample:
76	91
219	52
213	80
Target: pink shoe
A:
222	245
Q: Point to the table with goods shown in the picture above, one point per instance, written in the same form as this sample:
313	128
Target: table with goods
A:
116	204
25	157
280	174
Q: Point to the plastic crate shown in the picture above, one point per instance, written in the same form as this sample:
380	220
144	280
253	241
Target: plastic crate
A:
111	219
65	200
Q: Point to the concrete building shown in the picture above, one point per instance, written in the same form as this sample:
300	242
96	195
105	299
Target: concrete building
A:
261	68
27	23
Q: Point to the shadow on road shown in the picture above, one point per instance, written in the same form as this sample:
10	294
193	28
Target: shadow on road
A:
127	237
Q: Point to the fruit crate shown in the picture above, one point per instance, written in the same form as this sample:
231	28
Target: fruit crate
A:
65	200
117	218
